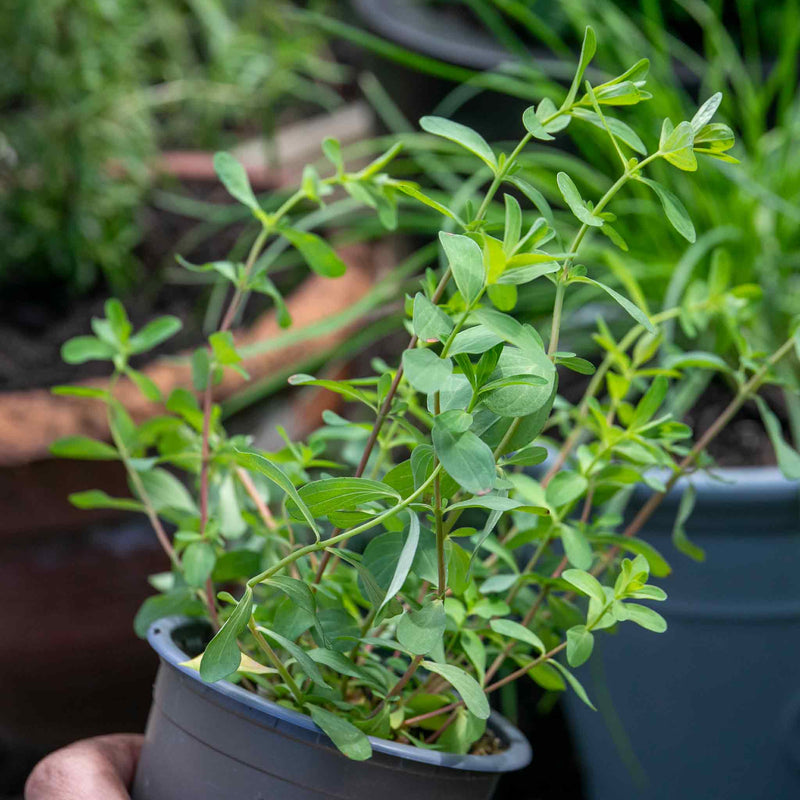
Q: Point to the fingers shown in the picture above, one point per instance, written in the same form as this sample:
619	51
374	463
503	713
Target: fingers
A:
93	769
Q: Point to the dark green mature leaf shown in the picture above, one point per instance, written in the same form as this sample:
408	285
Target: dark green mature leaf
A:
466	262
83	447
304	661
425	371
468	460
319	255
348	739
462	135
222	656
565	487
576	547
469	689
86	348
329	495
234	178
674	209
422	630
788	458
154	333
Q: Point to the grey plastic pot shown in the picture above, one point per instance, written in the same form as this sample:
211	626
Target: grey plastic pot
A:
220	742
711	708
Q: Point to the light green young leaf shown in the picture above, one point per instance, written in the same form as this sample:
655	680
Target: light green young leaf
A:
580	643
94	498
319	255
588	49
621	130
572	197
234	178
513	630
198	563
81	349
165	491
585	583
461	135
645	617
676	147
466	262
706	112
154	333
534	126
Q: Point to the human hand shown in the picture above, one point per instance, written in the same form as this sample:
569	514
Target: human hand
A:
101	768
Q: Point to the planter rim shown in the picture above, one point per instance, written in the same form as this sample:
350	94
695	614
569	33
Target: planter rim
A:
737	484
516	756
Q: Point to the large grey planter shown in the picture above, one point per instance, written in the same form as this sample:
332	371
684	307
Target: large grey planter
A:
711	708
220	742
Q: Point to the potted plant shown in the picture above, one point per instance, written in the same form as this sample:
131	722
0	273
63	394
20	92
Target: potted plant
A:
338	614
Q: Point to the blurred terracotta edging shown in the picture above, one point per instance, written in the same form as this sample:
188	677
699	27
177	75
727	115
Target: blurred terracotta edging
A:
31	420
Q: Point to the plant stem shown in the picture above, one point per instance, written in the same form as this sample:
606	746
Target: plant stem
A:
400	685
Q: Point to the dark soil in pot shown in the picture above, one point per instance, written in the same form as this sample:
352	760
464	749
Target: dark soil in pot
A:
211	741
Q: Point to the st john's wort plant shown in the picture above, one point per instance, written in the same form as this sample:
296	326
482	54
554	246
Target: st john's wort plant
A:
393	572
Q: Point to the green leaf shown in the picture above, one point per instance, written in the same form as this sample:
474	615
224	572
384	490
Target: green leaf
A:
94	498
674	209
319	255
261	283
146	386
466	262
658	564
198	563
572	197
788	458
222	656
513	630
330	495
430	323
201	368
467	459
650	402
413	190
645	617
462	135
630	307
83	447
527	457
475	651
534	126
469	689
588	49
679	537
580	643
425	371
234	178
585	583
154	333
332	150
565	487
304	661
165	491
576	547
573	682
257	463
348	739
86	348
404	561
676	147
513	228
621	130
422	630
706	112
696	359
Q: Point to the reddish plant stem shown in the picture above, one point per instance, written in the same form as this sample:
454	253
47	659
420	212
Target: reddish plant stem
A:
400	685
447	723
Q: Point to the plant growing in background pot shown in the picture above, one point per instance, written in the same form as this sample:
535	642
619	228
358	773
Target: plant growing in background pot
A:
339	613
